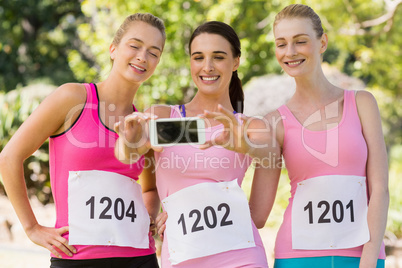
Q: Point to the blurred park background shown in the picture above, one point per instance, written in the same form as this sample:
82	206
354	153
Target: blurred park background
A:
45	43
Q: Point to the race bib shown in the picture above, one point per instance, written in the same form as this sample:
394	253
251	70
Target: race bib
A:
330	212
206	219
106	208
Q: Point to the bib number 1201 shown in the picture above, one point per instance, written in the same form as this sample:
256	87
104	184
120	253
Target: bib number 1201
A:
210	218
338	211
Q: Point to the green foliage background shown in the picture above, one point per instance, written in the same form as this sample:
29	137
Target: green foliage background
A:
50	42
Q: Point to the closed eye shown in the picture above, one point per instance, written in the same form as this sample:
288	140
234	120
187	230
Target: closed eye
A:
153	54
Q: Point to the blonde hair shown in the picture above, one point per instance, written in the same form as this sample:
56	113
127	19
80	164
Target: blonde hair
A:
144	17
301	11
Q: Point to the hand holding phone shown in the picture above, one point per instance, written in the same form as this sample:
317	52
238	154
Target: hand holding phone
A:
133	141
177	131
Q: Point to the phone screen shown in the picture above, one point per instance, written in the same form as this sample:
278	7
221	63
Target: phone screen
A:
177	132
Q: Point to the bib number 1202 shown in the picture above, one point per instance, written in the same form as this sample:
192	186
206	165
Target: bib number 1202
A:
210	218
338	211
118	208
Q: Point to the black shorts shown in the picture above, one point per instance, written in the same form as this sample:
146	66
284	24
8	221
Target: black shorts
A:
148	261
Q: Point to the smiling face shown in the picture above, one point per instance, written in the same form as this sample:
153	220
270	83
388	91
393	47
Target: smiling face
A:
212	63
138	53
297	47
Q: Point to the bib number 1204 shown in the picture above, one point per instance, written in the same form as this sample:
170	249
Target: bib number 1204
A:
338	211
119	209
210	218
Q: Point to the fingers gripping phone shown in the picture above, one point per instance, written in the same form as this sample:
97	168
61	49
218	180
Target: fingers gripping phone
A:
177	131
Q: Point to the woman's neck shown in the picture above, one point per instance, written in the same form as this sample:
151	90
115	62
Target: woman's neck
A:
115	92
202	102
314	88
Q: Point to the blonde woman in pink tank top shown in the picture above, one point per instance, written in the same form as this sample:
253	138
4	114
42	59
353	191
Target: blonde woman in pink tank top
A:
79	119
201	229
332	143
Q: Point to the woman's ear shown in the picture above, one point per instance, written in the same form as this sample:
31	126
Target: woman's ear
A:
324	43
112	51
237	63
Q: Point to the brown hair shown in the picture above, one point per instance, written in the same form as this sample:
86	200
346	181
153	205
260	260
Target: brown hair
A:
235	87
144	17
301	11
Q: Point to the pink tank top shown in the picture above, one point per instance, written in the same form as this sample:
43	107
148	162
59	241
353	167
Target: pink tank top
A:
178	167
88	145
310	154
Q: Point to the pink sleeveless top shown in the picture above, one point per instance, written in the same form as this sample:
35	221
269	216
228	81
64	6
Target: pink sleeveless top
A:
178	167
88	145
309	154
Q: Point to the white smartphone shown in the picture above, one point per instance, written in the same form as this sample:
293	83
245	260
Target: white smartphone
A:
177	131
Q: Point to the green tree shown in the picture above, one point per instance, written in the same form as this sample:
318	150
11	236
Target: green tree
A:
34	38
367	42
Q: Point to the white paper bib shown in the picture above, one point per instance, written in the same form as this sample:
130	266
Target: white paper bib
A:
330	212
106	208
206	219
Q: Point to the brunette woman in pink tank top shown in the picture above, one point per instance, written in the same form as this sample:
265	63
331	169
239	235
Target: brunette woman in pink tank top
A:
333	147
79	120
190	180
